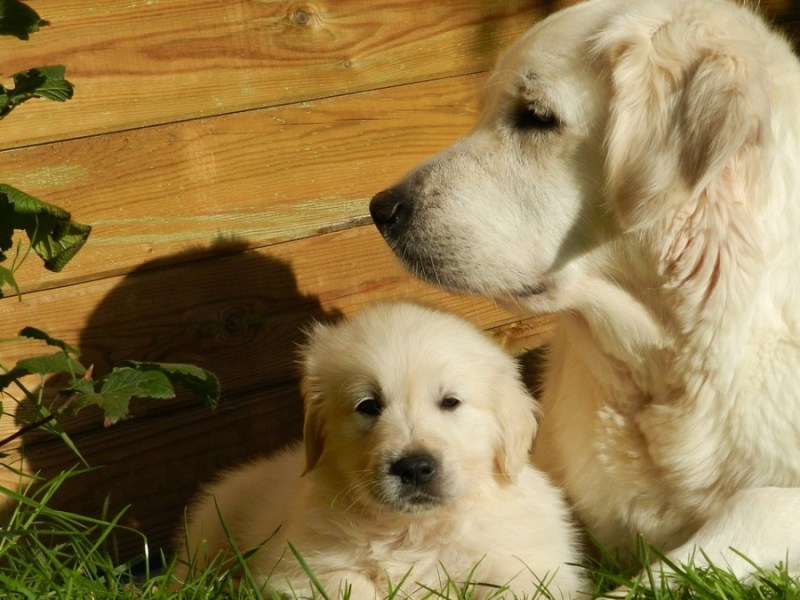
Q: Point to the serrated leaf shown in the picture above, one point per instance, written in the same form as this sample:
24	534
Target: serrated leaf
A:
81	386
57	242
58	362
53	235
43	82
45	364
18	19
203	384
22	204
37	334
124	383
7	279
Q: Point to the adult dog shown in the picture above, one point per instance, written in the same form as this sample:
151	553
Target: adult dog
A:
635	169
417	435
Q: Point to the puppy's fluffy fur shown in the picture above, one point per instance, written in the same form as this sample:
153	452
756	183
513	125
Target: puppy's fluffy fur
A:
415	468
636	170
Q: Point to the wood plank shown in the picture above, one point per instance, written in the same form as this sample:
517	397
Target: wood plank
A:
155	462
262	176
258	177
139	63
239	315
247	330
154	465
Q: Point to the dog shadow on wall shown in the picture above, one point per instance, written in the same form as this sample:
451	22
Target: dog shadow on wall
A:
237	313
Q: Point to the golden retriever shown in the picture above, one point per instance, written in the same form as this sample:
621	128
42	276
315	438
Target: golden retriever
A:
635	169
414	472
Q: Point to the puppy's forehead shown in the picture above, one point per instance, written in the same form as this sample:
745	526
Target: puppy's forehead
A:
408	335
393	346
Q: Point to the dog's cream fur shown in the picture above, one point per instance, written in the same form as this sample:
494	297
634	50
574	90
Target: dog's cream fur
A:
443	391
635	169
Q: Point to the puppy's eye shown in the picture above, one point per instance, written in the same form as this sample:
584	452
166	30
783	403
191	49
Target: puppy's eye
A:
449	403
530	117
369	407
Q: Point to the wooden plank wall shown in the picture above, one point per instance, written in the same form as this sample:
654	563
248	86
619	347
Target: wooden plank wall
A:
225	152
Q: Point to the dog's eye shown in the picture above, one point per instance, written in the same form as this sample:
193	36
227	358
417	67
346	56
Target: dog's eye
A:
449	403
369	407
532	117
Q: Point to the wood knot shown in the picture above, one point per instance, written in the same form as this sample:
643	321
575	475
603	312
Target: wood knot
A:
239	323
302	16
305	14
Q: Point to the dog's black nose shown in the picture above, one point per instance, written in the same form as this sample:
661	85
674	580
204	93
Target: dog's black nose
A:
390	209
414	469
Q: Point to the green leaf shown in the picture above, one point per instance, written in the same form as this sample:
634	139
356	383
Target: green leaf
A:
18	19
38	334
203	384
122	384
142	380
53	235
57	242
45	364
42	82
82	386
7	278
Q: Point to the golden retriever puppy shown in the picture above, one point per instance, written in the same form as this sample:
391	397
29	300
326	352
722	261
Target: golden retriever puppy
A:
635	169
414	471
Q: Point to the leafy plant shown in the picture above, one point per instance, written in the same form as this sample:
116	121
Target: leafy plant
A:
51	232
111	393
44	82
55	238
18	19
44	549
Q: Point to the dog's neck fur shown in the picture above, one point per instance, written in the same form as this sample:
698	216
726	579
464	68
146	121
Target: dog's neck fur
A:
688	356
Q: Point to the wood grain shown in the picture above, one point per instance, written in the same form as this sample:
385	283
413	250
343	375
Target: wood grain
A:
257	177
155	462
141	63
225	152
153	465
240	314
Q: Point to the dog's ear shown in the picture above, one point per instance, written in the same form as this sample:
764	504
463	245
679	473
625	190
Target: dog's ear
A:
689	111
516	413
313	433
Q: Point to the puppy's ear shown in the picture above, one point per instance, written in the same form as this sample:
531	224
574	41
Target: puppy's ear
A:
689	111
516	413
313	431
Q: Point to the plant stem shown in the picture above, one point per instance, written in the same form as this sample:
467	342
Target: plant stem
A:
26	428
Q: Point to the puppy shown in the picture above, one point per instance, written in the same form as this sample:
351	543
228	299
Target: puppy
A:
635	169
414	472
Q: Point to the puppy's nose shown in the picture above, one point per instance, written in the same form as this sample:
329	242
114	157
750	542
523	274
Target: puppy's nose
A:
414	469
390	209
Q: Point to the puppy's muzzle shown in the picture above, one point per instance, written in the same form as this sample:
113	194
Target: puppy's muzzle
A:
391	211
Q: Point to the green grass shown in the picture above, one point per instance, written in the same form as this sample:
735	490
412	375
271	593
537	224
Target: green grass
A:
48	553
688	582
